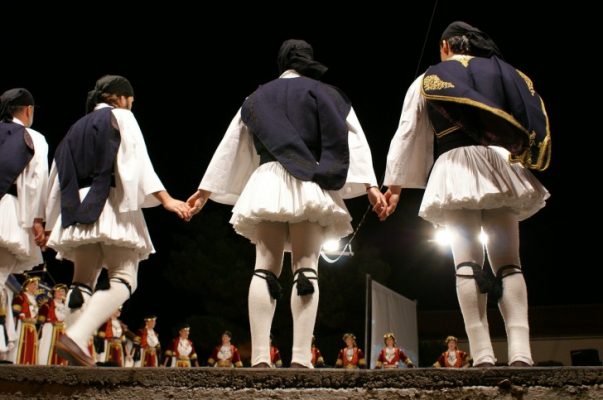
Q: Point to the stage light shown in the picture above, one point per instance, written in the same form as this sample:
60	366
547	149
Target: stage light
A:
442	237
483	238
330	246
331	251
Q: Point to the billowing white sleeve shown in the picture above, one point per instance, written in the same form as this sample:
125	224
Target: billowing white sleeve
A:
361	170
410	155
53	204
33	183
136	180
232	164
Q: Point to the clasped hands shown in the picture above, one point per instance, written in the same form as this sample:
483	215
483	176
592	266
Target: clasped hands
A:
384	204
197	201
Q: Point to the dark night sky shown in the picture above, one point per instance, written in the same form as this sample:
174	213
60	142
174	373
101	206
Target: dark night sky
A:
190	78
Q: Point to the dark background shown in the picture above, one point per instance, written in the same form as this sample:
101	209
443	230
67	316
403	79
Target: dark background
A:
191	71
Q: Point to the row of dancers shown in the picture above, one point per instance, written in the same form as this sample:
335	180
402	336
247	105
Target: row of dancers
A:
471	128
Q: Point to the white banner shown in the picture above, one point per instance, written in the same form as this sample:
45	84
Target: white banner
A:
392	312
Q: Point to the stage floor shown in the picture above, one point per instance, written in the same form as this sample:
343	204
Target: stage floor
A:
22	382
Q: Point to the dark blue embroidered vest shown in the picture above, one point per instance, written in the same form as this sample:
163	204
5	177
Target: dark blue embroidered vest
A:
16	151
86	157
301	123
491	102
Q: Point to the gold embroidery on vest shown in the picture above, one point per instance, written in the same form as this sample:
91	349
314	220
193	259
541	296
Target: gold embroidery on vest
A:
433	82
528	82
445	132
463	59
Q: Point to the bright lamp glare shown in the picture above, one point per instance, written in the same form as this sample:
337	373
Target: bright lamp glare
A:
330	245
442	237
483	238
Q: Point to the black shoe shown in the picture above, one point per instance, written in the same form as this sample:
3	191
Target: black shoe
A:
106	364
519	364
484	365
71	352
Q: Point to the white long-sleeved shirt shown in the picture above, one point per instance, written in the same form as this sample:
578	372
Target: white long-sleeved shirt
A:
410	155
32	183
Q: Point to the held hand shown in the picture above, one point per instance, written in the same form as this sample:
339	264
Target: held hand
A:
176	206
377	200
47	233
198	200
392	202
179	207
38	232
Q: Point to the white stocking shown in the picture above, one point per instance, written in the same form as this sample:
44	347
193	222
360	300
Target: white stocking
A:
87	265
122	265
502	229
101	306
465	227
306	241
270	247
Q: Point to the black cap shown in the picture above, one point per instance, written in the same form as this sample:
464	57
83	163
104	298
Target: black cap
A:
17	97
299	55
108	84
114	84
14	98
480	43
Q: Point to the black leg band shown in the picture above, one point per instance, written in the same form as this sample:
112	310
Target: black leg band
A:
274	287
125	282
76	299
303	284
486	283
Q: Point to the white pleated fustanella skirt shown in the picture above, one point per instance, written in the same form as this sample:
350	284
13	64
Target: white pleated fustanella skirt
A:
273	194
478	178
17	240
123	229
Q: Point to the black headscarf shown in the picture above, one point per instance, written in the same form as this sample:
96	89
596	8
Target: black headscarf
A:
109	84
299	55
480	43
14	98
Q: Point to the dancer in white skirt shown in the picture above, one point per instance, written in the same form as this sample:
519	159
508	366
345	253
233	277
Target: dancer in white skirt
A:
100	180
290	156
468	103
23	187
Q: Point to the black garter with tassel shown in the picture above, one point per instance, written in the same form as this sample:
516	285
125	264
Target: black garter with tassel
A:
76	299
487	283
274	287
303	284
